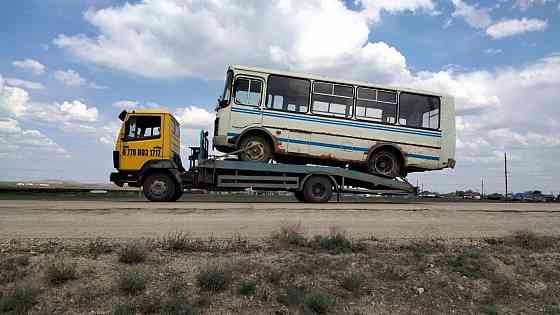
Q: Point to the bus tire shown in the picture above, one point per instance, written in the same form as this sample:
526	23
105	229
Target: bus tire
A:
260	151
385	163
299	195
317	189
159	187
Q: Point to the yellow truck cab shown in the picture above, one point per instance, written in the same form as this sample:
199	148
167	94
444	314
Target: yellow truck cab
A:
147	153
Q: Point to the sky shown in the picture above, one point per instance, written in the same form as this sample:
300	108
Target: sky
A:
67	68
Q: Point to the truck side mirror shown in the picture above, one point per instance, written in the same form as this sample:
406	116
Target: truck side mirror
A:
122	115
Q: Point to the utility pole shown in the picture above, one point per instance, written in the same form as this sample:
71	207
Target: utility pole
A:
505	173
482	190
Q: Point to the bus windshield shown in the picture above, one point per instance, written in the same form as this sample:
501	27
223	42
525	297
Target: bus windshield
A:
227	88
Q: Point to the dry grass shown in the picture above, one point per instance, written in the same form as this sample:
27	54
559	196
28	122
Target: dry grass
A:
131	281
59	271
323	275
215	278
19	299
133	253
290	235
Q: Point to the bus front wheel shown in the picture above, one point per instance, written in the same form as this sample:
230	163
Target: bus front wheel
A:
255	148
317	189
160	187
384	163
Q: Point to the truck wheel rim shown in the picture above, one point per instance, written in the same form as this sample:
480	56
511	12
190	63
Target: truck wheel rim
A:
255	151
158	187
318	190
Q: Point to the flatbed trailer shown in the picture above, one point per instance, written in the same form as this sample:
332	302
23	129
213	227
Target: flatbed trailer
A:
309	183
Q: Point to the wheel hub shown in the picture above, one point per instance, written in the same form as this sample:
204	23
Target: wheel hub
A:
158	187
255	151
384	165
318	190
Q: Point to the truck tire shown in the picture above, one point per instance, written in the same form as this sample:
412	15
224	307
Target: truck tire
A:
317	189
384	163
299	195
178	193
159	187
260	151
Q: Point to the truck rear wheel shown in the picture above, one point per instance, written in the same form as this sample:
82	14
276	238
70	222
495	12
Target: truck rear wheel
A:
159	187
299	196
317	189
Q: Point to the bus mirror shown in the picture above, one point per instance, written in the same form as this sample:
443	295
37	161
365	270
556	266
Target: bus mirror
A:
122	115
223	103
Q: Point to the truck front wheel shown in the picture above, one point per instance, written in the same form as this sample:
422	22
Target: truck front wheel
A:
159	187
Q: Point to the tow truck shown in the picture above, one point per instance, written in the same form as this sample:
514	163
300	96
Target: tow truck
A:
147	155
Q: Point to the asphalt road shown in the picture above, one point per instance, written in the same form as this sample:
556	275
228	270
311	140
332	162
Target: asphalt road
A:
123	219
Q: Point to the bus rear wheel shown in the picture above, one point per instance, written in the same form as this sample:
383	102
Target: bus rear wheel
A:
160	187
317	189
255	148
384	163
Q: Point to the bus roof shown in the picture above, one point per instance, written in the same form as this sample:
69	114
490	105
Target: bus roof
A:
330	79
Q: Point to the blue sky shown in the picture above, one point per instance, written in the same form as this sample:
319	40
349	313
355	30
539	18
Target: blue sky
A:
66	67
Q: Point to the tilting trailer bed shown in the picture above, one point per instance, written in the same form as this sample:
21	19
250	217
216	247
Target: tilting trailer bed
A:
309	183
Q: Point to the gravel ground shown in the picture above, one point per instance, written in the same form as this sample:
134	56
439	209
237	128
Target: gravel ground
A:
132	219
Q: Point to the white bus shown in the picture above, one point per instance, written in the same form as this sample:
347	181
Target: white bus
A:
299	118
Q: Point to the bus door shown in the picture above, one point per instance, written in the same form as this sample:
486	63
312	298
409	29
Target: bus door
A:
247	97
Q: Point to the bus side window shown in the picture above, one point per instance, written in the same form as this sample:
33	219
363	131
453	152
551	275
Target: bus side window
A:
332	99
419	110
248	91
376	105
288	94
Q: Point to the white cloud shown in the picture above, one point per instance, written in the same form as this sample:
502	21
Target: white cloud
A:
513	27
108	133
76	110
373	8
30	65
524	5
13	100
321	36
478	18
24	84
67	113
74	79
194	117
69	78
17	142
493	51
125	104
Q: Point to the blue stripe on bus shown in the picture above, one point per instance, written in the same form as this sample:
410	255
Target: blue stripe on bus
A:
344	147
332	122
